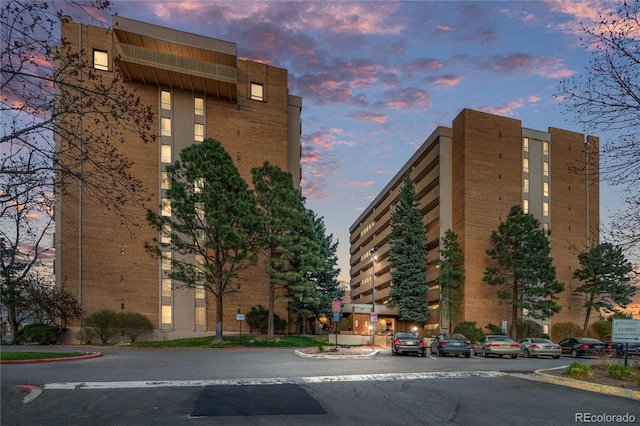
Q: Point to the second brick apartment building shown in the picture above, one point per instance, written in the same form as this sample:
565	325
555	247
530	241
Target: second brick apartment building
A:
467	177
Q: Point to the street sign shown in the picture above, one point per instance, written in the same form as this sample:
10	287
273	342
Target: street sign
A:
240	317
625	331
336	316
336	306
374	317
504	327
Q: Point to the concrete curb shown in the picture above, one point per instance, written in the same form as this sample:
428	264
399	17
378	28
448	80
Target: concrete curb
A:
37	361
329	356
588	386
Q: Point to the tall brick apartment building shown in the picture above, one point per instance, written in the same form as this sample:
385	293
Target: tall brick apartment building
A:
467	177
198	88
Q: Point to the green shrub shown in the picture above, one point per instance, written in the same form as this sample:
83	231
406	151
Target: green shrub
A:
493	329
134	324
469	330
578	371
562	330
602	328
258	318
103	324
621	372
39	333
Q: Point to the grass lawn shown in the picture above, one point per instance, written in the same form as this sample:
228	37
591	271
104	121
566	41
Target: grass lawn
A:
21	356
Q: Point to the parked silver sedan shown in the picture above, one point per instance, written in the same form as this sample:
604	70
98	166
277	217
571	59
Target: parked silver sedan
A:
496	345
537	346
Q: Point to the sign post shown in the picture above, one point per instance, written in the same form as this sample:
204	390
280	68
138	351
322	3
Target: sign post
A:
336	307
240	318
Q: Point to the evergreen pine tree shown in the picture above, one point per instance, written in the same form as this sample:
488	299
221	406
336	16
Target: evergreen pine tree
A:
524	272
450	276
407	257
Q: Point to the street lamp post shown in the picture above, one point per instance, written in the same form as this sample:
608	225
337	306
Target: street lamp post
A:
373	295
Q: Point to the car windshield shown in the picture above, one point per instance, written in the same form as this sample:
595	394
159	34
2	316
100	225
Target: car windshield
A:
589	341
404	335
458	336
498	338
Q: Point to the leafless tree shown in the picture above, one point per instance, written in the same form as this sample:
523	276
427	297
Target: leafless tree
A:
53	107
605	99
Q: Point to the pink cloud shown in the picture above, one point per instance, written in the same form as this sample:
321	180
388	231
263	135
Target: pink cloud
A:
368	117
506	110
446	80
443	28
523	62
409	97
354	184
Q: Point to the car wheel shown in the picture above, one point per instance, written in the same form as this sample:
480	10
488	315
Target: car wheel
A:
574	353
393	353
527	354
556	357
485	354
437	352
467	355
514	356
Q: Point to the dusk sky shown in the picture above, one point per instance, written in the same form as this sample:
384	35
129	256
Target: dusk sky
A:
377	77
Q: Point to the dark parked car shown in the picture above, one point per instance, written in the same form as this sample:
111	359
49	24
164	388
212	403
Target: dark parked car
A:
405	342
579	346
451	344
617	349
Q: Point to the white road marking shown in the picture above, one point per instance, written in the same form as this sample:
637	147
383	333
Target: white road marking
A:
269	381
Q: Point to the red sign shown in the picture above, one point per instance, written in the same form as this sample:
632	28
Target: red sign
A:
336	306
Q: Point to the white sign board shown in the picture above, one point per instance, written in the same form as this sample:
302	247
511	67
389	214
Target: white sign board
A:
625	331
374	317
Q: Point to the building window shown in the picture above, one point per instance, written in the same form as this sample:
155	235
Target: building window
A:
199	290
257	92
525	185
165	153
545	168
166	126
545	148
101	60
199	106
165	235
166	261
165	182
166	287
545	188
525	206
525	165
198	185
166	207
525	145
166	314
545	209
198	132
199	315
165	98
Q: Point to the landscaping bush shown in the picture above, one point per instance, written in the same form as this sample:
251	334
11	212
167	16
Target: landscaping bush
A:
134	325
258	317
493	329
621	372
601	329
529	328
562	330
39	333
103	324
578	371
469	330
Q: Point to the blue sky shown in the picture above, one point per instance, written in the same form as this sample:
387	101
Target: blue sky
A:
377	77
